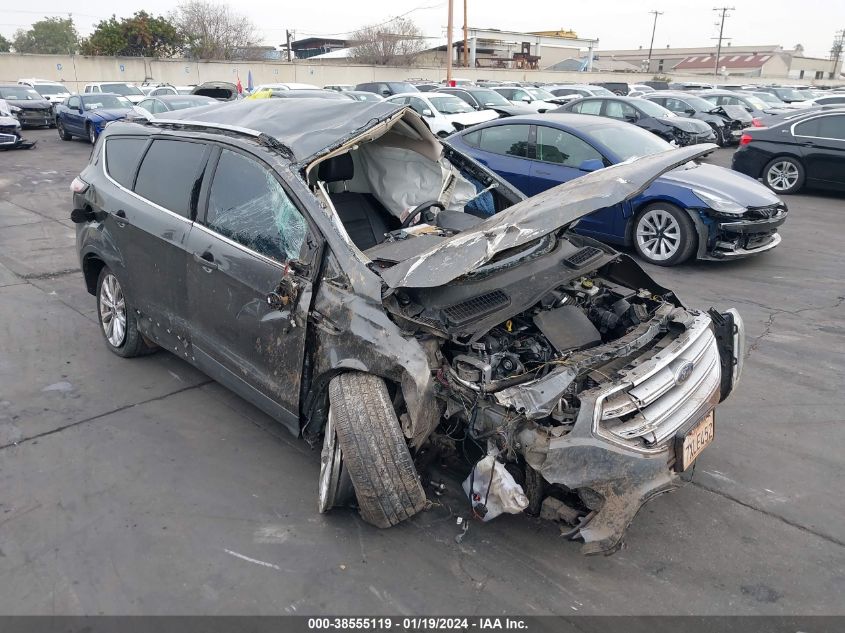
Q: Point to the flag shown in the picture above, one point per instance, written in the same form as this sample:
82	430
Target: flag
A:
249	85
240	87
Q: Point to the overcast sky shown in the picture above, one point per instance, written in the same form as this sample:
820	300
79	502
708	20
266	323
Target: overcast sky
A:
617	23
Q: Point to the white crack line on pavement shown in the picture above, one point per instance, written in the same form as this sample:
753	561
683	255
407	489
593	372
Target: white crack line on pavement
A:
252	560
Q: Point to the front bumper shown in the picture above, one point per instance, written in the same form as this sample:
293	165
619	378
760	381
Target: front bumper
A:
35	118
617	462
683	138
735	238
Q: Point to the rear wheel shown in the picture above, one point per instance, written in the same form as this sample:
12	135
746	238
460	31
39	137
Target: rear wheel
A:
664	235
784	175
63	134
117	318
373	450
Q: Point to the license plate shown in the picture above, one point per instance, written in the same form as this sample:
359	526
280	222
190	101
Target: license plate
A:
688	447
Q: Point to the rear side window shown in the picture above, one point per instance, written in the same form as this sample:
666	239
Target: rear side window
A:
122	157
169	173
588	107
248	205
511	140
832	127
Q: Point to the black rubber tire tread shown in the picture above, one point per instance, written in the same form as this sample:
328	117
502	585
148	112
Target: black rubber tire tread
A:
374	450
721	141
63	133
802	174
134	343
689	245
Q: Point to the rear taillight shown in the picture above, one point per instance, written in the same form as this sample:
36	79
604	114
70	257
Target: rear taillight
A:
78	185
756	122
745	139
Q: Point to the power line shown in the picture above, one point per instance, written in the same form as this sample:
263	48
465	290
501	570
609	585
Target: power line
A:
725	14
395	17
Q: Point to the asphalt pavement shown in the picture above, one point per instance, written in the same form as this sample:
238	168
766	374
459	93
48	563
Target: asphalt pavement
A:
142	487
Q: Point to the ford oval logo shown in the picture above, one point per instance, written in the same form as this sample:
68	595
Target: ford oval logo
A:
684	372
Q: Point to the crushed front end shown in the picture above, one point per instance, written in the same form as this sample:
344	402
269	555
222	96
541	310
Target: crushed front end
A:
579	373
732	236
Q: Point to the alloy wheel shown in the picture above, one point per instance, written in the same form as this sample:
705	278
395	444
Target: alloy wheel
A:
113	310
92	134
658	234
782	176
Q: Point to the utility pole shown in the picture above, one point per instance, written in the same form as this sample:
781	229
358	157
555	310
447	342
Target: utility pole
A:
651	45
836	51
466	52
449	51
290	35
725	14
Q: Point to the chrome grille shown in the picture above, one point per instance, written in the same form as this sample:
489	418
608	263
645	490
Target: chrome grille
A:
667	392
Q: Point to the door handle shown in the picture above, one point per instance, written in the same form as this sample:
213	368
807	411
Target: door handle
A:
541	172
206	260
120	214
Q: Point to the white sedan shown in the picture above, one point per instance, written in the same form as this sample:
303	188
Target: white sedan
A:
444	113
537	98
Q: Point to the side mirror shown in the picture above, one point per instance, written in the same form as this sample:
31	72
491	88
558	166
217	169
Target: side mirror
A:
527	99
632	118
591	164
427	112
689	112
385	93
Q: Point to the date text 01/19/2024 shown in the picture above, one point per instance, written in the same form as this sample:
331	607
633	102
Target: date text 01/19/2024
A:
416	624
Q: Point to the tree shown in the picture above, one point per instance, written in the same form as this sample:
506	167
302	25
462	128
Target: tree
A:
55	36
142	35
214	31
5	45
392	43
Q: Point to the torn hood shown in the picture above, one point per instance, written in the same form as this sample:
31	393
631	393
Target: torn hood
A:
535	217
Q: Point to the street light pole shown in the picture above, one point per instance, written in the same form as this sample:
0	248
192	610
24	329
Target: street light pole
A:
449	51
724	11
466	53
651	45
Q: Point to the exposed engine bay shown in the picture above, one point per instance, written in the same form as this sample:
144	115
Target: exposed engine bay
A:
540	365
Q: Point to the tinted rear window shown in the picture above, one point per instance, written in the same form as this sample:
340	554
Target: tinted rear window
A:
122	156
169	173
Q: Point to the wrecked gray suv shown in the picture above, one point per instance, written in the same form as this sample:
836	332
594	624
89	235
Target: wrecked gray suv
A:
398	304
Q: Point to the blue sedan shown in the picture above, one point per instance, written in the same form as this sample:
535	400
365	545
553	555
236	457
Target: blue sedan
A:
87	115
696	210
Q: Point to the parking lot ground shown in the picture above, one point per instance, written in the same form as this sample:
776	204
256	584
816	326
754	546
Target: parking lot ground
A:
142	487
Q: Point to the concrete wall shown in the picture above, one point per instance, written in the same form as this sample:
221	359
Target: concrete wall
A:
76	71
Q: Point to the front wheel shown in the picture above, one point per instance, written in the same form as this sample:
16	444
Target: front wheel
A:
721	140
92	134
373	450
664	235
784	175
63	133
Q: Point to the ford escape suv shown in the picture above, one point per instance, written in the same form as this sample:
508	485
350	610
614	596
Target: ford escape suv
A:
390	300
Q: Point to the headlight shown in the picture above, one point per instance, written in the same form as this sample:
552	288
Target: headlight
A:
14	109
720	204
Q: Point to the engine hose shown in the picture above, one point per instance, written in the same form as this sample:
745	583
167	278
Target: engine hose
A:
582	523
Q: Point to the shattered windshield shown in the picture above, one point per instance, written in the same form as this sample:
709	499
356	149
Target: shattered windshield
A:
248	205
19	93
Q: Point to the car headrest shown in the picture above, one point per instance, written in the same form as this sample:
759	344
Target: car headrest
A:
336	168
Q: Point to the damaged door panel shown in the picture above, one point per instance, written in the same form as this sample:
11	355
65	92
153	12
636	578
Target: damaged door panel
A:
324	285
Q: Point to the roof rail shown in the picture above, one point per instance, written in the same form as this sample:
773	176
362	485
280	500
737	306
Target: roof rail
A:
207	124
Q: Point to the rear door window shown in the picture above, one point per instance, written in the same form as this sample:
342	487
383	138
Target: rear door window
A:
510	140
248	205
122	157
170	174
